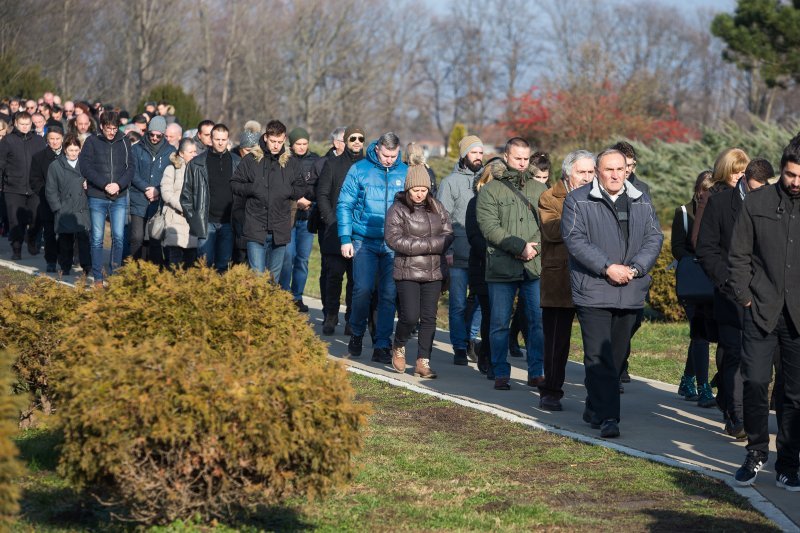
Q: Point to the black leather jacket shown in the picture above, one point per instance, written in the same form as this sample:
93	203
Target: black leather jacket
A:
195	197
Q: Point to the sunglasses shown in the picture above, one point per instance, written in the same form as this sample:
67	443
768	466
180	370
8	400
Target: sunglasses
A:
356	138
156	134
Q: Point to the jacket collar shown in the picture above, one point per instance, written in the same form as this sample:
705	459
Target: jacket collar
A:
632	192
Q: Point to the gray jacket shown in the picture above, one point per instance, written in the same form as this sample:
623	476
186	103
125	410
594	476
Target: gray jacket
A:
595	240
455	192
67	197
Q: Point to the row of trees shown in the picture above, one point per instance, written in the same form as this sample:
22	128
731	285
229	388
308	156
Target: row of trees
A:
413	67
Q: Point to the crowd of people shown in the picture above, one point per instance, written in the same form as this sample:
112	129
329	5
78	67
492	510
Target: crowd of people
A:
518	253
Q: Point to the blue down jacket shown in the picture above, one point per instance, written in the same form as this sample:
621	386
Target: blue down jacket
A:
367	193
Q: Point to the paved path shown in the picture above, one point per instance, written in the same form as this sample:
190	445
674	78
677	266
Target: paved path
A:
654	419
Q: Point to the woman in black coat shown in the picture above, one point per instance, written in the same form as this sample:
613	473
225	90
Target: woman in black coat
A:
65	190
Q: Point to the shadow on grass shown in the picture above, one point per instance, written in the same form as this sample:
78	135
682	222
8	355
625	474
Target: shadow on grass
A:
39	448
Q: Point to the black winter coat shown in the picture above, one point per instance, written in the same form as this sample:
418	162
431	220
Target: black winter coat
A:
39	165
103	162
713	244
195	197
269	184
328	187
16	155
764	260
67	198
477	252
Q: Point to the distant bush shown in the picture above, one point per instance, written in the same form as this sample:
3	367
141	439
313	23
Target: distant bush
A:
458	132
662	291
187	112
198	394
10	467
30	323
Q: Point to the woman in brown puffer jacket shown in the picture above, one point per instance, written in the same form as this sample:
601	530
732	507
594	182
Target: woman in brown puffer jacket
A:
419	231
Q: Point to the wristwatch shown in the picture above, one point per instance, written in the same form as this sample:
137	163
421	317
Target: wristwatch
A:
634	271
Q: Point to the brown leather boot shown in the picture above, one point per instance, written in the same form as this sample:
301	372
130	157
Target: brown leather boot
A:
399	359
423	369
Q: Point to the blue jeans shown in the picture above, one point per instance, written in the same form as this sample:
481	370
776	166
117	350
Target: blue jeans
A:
475	325
457	313
267	255
117	212
373	261
501	297
217	247
295	261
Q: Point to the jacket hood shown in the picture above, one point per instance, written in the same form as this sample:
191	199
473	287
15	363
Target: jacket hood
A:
632	192
261	151
373	157
176	160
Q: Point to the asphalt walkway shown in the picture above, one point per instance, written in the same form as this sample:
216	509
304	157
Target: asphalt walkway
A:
655	420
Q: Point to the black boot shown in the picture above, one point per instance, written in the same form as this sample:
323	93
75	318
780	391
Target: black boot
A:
329	325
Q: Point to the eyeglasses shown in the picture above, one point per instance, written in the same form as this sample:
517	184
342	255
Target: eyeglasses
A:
356	138
156	134
110	127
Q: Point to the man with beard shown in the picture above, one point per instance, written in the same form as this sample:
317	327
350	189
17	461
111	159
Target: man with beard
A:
455	192
16	153
44	218
334	264
763	278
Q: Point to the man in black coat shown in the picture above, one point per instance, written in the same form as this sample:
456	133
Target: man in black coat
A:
16	152
335	265
713	243
269	180
44	217
764	275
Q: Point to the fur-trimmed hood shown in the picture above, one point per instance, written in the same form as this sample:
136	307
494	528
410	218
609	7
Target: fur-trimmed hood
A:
259	151
176	160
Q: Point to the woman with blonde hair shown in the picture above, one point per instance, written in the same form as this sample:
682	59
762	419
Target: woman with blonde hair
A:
728	168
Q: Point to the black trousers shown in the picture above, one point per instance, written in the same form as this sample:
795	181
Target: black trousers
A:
138	250
606	339
22	210
335	267
758	349
729	377
418	302
177	257
557	328
66	250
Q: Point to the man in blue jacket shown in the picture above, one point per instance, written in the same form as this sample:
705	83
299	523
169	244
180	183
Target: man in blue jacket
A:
613	237
106	162
368	191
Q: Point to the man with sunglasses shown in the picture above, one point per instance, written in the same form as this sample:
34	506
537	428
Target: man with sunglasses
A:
150	158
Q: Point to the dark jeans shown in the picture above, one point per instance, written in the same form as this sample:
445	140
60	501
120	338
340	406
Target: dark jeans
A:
557	326
138	249
729	379
177	257
486	318
22	211
66	250
334	267
418	302
758	348
606	340
697	355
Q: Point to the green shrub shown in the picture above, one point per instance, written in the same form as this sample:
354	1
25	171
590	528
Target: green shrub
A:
196	394
458	132
30	322
662	292
187	112
10	467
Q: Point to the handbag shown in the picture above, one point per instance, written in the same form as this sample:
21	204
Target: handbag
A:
692	284
157	224
314	219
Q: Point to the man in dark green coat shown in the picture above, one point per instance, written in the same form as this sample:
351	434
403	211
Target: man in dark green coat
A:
507	212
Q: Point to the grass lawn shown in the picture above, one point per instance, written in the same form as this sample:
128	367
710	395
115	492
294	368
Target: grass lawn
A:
431	465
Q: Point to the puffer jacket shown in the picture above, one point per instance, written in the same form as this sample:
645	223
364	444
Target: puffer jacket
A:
555	287
367	193
419	238
595	241
508	225
148	171
195	198
177	228
269	185
103	162
67	197
16	153
454	193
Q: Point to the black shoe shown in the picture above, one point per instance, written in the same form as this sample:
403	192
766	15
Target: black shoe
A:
609	429
735	428
460	357
472	350
625	377
514	350
329	325
621	388
355	345
747	473
550	403
501	384
788	481
52	268
347	330
303	308
33	248
382	355
16	254
588	417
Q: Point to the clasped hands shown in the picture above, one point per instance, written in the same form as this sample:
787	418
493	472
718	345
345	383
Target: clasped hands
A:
619	274
529	252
